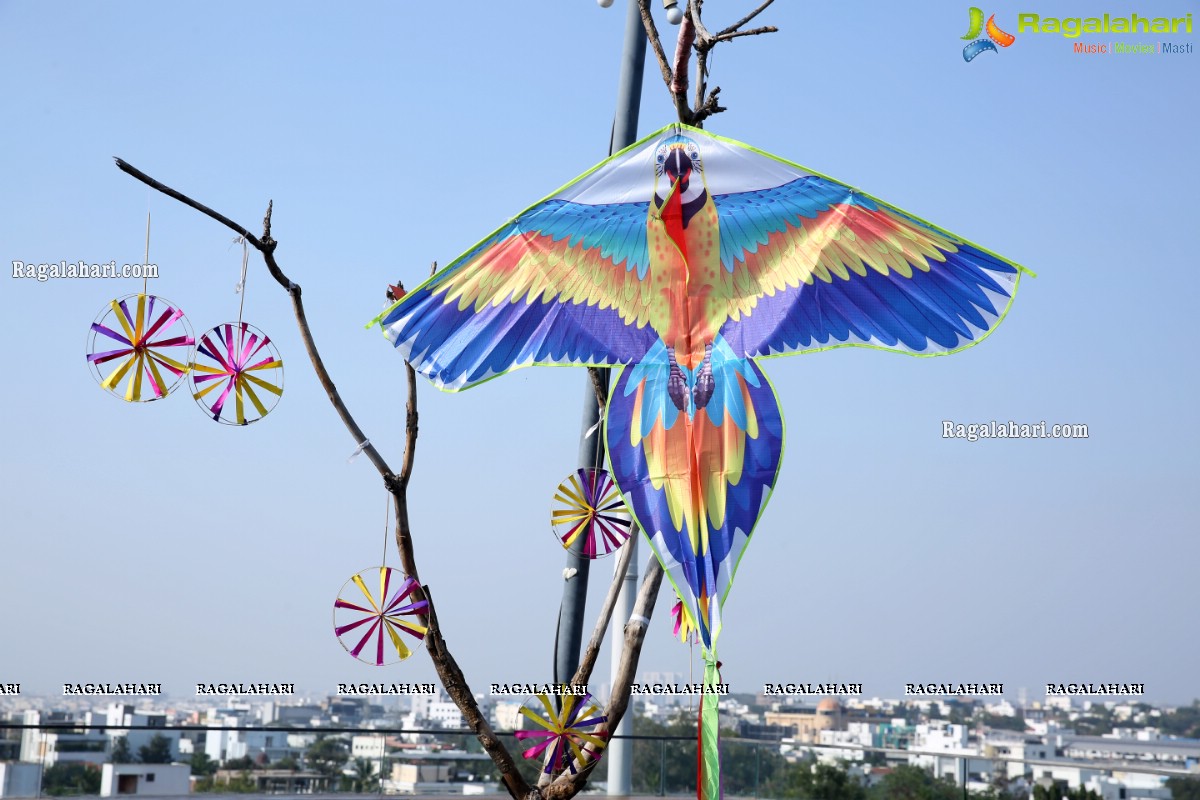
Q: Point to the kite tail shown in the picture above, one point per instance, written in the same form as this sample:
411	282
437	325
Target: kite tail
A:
708	749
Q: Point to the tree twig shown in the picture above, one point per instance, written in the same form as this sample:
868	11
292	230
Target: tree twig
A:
725	37
588	661
746	18
397	484
567	785
680	100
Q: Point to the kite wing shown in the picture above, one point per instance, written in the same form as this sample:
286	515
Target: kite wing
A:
562	283
813	264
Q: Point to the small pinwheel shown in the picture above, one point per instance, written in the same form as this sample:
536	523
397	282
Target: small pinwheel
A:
230	350
566	739
684	628
588	508
141	354
388	614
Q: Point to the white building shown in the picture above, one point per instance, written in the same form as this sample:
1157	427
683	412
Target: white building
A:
947	753
61	740
436	710
121	714
372	746
507	714
226	744
160	780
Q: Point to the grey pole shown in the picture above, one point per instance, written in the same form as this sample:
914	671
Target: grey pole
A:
591	450
629	99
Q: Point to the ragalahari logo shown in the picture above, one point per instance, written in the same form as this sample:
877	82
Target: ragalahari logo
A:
995	36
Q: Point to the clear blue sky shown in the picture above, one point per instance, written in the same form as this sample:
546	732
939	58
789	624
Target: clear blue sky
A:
148	543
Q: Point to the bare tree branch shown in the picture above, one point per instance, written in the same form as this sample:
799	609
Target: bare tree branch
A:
655	41
588	661
599	385
746	18
683	51
567	785
447	668
680	100
725	37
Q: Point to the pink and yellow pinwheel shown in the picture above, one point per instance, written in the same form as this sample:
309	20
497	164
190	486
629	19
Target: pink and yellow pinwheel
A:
364	622
681	262
589	513
144	342
237	358
565	740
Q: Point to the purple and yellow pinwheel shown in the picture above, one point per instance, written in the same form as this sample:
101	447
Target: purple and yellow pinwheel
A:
154	328
680	262
365	623
237	359
589	513
565	740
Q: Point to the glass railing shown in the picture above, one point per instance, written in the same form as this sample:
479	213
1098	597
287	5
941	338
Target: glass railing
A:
50	761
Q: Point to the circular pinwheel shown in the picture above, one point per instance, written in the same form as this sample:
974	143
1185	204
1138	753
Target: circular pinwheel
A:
154	347
370	626
564	734
240	360
589	510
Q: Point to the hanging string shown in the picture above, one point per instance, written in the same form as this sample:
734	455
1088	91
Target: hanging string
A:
146	260
387	518
241	286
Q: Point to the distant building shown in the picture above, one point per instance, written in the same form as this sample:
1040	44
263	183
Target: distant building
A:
259	746
278	781
436	710
159	780
118	714
807	722
61	739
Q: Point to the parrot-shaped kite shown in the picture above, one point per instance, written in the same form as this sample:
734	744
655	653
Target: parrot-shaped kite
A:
679	262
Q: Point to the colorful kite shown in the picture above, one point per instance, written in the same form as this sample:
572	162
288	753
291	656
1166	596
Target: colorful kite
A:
588	510
140	355
679	262
566	739
229	364
384	614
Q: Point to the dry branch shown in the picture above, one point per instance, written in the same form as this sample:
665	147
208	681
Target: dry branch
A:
567	785
397	484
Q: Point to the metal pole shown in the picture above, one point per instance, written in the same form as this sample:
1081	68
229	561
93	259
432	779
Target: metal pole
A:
629	100
591	452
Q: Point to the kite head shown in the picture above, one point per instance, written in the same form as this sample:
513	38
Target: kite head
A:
677	159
